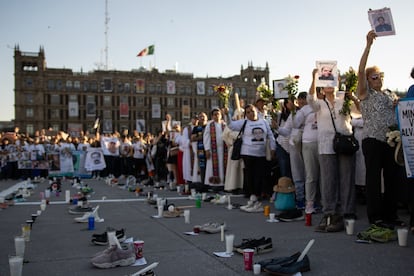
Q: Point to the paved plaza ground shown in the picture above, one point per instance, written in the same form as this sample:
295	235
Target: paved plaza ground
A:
60	246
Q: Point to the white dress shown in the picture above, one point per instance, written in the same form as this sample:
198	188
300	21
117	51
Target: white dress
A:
234	171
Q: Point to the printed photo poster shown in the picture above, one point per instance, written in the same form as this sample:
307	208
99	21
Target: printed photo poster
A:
156	111
186	111
170	87
94	160
405	112
381	21
79	158
90	109
110	146
66	161
124	107
107	126
327	74
140	85
279	91
140	125
73	109
201	88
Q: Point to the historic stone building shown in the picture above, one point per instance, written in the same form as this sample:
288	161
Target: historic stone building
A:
61	99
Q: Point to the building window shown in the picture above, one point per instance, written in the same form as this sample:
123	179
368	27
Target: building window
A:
107	85
51	84
29	98
151	87
120	87
107	100
94	86
54	99
55	127
127	87
29	82
59	85
73	98
214	103
85	86
55	114
139	101
170	101
68	85
200	102
30	128
29	112
210	91
243	92
76	85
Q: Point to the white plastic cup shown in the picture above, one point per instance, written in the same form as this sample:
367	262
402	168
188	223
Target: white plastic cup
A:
229	243
67	196
256	269
26	232
42	207
39	212
160	210
179	188
402	236
19	244
193	192
187	216
349	226
272	216
16	265
47	193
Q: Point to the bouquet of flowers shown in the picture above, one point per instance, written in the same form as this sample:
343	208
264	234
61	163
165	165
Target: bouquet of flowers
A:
351	82
223	91
292	86
263	92
393	136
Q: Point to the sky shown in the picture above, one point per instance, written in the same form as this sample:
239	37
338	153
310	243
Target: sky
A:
207	38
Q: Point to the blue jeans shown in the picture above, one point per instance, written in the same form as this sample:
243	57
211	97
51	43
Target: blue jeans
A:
284	161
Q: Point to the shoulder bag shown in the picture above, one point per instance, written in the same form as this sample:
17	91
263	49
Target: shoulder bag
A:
237	144
343	144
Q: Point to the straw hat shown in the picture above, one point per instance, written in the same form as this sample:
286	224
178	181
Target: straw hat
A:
284	185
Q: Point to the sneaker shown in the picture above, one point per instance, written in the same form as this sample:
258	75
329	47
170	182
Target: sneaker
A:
86	216
378	234
212	227
260	246
256	208
102	239
291	215
79	210
310	209
289	267
115	256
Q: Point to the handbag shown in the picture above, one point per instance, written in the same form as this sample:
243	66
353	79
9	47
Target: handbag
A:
237	144
343	144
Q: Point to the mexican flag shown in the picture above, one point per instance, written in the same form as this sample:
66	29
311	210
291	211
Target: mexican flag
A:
147	51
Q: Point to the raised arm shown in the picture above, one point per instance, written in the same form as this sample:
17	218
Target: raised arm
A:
362	78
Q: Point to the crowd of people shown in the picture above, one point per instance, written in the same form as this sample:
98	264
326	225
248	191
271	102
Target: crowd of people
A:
296	146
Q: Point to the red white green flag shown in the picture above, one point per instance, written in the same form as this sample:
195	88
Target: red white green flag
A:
147	51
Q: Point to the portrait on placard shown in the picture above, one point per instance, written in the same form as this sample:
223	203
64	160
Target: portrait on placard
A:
381	21
279	89
327	74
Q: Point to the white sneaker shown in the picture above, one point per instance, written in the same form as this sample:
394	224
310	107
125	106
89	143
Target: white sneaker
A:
248	205
256	208
86	216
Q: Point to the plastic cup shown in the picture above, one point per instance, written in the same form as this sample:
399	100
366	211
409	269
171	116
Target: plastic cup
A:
42	207
67	196
272	216
138	246
308	219
179	188
229	243
16	265
256	269
26	232
402	236
19	244
160	210
248	258
349	226
47	193
187	216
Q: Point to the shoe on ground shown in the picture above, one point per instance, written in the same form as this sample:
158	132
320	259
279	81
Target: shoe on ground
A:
378	234
255	208
102	239
86	216
291	215
290	267
260	246
278	261
115	256
336	224
212	227
79	210
310	209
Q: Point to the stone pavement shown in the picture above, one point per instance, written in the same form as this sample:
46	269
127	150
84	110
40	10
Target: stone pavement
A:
59	246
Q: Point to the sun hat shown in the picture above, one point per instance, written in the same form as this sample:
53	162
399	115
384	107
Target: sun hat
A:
284	185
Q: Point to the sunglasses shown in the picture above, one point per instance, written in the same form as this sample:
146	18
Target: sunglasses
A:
377	76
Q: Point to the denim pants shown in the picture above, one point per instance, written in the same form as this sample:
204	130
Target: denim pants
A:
298	171
284	161
337	187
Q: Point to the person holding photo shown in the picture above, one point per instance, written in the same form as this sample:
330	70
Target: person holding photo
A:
326	73
378	112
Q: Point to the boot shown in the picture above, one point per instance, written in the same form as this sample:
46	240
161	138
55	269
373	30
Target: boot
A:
337	224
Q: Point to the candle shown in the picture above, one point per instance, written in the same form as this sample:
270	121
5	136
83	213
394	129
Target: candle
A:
222	232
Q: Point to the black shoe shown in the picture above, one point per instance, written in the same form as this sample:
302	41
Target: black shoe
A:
291	215
278	261
260	246
336	224
102	239
290	267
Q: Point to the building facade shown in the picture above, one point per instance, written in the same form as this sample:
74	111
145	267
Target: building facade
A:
60	99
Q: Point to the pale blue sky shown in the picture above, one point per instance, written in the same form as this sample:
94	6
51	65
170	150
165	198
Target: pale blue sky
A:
213	37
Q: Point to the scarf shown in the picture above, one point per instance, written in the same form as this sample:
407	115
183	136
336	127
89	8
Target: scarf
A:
215	179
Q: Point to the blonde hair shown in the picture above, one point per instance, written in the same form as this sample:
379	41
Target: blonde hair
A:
370	70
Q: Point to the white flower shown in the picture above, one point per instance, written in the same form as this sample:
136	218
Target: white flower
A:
393	137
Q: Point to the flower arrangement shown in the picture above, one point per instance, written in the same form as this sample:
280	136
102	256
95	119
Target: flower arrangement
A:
265	93
351	82
224	91
292	86
393	136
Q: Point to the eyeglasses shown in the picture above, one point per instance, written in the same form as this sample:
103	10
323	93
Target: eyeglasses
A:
376	76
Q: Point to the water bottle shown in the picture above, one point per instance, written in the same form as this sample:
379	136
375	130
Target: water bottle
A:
91	222
198	201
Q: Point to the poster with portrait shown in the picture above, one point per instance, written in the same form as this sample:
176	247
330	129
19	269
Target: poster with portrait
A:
327	74
381	21
139	85
156	111
201	88
110	146
94	160
140	125
279	90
